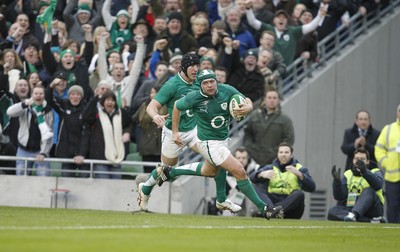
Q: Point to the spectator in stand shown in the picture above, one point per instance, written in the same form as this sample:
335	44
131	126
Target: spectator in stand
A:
217	10
179	40
308	44
267	127
21	93
15	40
13	65
35	137
334	14
218	33
238	31
283	182
6	100
222	74
387	151
149	11
70	125
6	149
97	33
297	11
33	80
161	52
23	20
120	25
85	15
150	135
261	11
144	91
206	63
32	63
105	121
277	64
245	75
361	189
59	91
201	30
160	24
364	6
60	31
286	36
264	59
123	86
76	70
362	134
143	29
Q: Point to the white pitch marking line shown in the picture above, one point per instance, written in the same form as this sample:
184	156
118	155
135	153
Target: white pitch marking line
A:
186	227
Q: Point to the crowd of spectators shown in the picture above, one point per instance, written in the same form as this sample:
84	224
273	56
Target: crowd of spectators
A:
76	75
131	47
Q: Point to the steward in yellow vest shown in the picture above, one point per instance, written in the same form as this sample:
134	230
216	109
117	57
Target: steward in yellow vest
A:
282	183
387	153
360	189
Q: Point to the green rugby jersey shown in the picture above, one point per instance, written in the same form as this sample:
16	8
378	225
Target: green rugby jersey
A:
174	89
211	113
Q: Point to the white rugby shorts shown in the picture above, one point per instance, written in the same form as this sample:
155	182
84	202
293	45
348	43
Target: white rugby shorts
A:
215	151
170	149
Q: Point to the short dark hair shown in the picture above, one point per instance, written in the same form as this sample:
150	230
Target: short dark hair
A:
107	94
362	110
272	89
221	68
241	149
361	150
287	145
162	62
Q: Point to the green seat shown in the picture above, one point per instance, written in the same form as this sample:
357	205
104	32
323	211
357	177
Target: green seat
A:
132	147
55	169
132	168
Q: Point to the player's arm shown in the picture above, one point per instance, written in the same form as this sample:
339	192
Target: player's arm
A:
176	114
153	111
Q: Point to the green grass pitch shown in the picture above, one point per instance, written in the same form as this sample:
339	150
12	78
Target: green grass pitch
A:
40	229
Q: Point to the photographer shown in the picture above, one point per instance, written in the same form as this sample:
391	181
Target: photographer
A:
361	189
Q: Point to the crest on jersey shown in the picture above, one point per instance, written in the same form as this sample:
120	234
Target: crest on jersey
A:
224	105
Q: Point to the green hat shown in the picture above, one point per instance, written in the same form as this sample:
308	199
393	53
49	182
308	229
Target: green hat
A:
41	4
84	8
205	58
65	52
123	12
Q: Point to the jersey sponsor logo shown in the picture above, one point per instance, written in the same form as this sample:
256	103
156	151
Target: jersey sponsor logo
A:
218	121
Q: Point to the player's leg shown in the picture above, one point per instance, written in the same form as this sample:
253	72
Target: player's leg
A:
232	165
169	156
211	150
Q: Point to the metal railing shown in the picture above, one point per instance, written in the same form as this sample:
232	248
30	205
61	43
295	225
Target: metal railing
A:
301	69
91	162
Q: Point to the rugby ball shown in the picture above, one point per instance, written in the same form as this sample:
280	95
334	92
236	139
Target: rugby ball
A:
234	102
